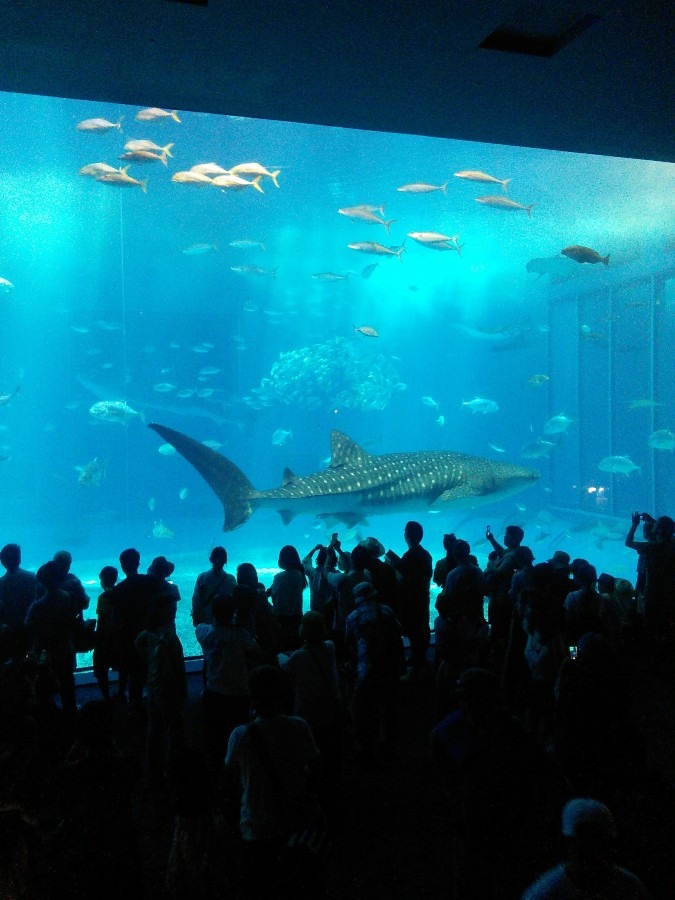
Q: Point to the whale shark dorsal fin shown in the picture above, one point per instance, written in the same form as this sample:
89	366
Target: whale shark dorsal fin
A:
344	451
288	477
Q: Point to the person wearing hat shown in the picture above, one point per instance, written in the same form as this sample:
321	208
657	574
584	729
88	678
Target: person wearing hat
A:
589	870
382	575
167	592
375	648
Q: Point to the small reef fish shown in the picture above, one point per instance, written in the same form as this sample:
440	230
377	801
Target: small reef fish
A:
254	270
481	405
92	473
536	449
618	465
475	175
164	387
557	424
154	114
210	169
99	125
184	393
162	531
200	249
254	168
166	449
122	179
246	244
195	178
133	146
504	203
182	493
213	445
330	276
365	330
376	249
436	241
235	183
146	156
429	401
280	437
6	286
151	504
538	380
584	255
366	214
440	420
420	187
663	439
210	370
496	448
94	170
5	398
205	392
115	411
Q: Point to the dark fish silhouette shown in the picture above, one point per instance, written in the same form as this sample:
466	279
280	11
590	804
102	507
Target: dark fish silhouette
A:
356	484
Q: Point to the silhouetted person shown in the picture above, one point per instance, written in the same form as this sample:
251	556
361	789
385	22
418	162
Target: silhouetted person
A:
590	869
415	569
131	602
215	582
18	589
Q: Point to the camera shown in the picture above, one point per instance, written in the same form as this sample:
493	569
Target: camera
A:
573	651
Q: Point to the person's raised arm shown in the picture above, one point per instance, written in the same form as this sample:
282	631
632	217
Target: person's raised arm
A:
630	537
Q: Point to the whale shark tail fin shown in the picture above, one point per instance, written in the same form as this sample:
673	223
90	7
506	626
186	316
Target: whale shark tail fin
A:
227	480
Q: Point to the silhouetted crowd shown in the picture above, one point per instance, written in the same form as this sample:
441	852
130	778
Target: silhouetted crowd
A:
533	675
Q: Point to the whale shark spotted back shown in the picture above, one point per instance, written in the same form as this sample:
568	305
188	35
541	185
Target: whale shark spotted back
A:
356	483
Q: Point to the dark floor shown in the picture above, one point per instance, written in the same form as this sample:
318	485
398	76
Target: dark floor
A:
395	841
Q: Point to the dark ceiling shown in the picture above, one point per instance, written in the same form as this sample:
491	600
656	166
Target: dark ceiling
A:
390	65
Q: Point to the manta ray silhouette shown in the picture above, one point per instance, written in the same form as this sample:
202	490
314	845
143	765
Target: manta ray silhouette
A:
356	483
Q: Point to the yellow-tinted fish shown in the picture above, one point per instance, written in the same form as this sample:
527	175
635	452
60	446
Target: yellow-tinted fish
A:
122	179
366	214
146	156
365	330
96	169
195	178
210	169
503	203
154	114
235	183
434	240
419	187
98	125
475	175
584	255
538	380
148	145
254	168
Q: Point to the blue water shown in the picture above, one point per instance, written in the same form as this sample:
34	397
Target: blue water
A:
106	305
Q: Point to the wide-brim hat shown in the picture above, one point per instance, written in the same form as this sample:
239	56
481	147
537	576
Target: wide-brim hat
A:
373	546
364	591
161	567
560	560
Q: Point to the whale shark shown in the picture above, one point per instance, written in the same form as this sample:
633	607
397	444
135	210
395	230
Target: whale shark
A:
355	484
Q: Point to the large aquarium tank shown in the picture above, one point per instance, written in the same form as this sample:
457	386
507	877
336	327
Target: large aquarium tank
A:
257	285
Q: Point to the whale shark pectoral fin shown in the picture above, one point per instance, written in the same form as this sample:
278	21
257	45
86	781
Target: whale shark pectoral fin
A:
286	516
461	492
